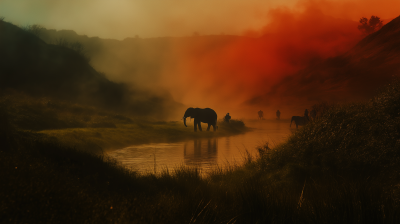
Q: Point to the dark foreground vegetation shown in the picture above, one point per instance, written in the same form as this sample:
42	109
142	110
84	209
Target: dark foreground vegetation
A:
341	168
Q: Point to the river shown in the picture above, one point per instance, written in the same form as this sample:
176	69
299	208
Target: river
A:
204	153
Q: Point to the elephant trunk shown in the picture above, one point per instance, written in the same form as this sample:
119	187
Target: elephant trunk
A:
184	121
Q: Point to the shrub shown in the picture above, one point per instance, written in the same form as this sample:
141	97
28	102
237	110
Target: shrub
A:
352	138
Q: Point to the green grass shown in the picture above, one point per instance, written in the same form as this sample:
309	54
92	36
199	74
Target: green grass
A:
341	168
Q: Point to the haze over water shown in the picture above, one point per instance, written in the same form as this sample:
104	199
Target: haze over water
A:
205	153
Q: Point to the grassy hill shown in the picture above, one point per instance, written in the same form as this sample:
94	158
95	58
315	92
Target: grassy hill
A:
354	76
30	65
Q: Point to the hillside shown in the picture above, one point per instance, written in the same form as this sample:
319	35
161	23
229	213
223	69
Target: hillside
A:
354	76
30	65
134	60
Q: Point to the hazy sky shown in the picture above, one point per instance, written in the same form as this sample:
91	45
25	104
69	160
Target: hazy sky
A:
296	33
152	18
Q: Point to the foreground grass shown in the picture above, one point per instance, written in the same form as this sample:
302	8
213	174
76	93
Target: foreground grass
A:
341	168
45	182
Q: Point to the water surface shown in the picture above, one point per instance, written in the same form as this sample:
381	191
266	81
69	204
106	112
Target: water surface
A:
205	153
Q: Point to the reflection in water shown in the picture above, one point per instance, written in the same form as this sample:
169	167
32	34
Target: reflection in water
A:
227	142
204	153
201	151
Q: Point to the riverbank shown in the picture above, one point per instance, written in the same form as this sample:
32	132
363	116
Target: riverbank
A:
96	130
140	132
205	153
341	168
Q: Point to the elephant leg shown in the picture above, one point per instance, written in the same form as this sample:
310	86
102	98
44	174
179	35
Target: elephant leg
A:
200	126
197	123
214	127
208	128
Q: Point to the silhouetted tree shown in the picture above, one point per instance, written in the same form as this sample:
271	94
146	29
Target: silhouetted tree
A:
34	29
76	46
371	25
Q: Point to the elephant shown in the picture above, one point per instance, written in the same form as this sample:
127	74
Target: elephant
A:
205	115
299	121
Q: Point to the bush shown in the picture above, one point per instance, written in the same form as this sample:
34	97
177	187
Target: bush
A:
232	126
351	138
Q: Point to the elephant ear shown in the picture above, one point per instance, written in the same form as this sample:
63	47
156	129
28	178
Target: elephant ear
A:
196	112
188	112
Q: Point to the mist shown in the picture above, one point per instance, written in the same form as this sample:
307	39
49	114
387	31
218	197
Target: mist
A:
126	18
226	55
240	74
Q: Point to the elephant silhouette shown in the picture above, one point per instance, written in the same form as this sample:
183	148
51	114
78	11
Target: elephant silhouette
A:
205	115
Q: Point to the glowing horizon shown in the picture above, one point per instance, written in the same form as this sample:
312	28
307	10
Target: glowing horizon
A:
125	18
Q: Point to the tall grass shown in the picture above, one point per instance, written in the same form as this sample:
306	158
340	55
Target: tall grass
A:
348	137
44	181
341	168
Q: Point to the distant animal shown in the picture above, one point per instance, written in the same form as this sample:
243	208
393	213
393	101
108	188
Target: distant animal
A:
299	121
227	117
260	115
278	115
205	115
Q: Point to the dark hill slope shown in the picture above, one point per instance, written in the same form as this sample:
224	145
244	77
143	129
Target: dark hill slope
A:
30	65
385	41
354	76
